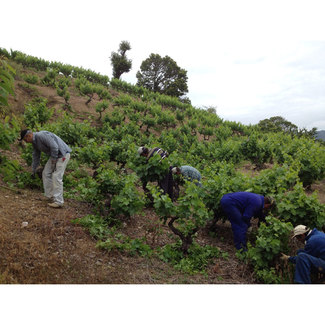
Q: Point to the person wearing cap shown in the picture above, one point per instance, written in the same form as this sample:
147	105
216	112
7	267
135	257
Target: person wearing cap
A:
149	152
167	183
239	208
52	175
189	173
311	258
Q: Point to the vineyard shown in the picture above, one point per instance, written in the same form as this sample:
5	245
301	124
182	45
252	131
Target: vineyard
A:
112	197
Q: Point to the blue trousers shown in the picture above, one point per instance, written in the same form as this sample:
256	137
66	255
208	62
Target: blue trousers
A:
239	226
305	264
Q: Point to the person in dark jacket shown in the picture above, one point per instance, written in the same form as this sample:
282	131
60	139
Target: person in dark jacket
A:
149	152
311	258
167	183
59	156
239	208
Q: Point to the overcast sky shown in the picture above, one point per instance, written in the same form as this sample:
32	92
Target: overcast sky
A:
249	59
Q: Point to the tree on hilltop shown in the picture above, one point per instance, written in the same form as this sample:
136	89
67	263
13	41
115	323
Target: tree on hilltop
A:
119	61
277	124
162	75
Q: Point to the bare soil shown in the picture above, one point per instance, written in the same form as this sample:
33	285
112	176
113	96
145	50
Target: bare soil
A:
40	245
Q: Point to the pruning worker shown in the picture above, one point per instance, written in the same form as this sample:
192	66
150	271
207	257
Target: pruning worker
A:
240	207
53	172
311	258
149	152
190	173
167	183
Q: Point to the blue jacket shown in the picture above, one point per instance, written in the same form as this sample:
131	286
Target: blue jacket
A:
315	245
249	204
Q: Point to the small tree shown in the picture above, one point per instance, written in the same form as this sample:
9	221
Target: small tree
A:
37	113
62	90
101	107
277	124
87	89
189	213
162	75
119	61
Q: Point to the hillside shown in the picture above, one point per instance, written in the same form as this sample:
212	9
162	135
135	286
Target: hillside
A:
97	237
53	250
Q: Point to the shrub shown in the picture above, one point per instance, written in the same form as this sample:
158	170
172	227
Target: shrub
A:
50	78
8	132
37	113
101	107
129	200
299	208
30	78
272	239
6	81
186	217
197	259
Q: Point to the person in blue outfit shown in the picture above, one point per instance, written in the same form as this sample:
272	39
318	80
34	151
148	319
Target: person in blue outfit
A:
189	173
240	207
311	258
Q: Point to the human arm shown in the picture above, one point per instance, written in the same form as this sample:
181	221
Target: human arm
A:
36	160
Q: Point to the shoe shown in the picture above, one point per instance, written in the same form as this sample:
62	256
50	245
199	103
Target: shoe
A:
44	198
55	205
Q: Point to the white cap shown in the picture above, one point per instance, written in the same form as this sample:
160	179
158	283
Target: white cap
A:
140	150
174	170
299	230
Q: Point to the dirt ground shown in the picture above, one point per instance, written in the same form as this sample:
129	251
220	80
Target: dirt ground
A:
40	245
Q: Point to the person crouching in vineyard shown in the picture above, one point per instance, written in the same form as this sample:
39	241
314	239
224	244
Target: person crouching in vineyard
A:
167	182
53	171
189	173
239	208
311	258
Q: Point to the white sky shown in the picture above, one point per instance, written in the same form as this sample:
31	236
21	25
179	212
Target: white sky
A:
250	59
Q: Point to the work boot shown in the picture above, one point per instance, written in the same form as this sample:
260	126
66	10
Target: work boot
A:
55	205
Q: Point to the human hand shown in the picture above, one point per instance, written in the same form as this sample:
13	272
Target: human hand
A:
284	257
53	166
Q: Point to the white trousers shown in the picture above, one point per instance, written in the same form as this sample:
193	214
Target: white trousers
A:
53	179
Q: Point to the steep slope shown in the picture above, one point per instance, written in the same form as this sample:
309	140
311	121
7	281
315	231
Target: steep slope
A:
40	245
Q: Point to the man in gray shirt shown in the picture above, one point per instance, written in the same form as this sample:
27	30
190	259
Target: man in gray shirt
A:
59	153
190	173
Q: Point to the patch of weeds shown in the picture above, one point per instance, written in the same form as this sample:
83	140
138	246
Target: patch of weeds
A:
95	224
124	243
196	261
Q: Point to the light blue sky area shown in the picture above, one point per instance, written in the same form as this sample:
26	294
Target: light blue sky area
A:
250	59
